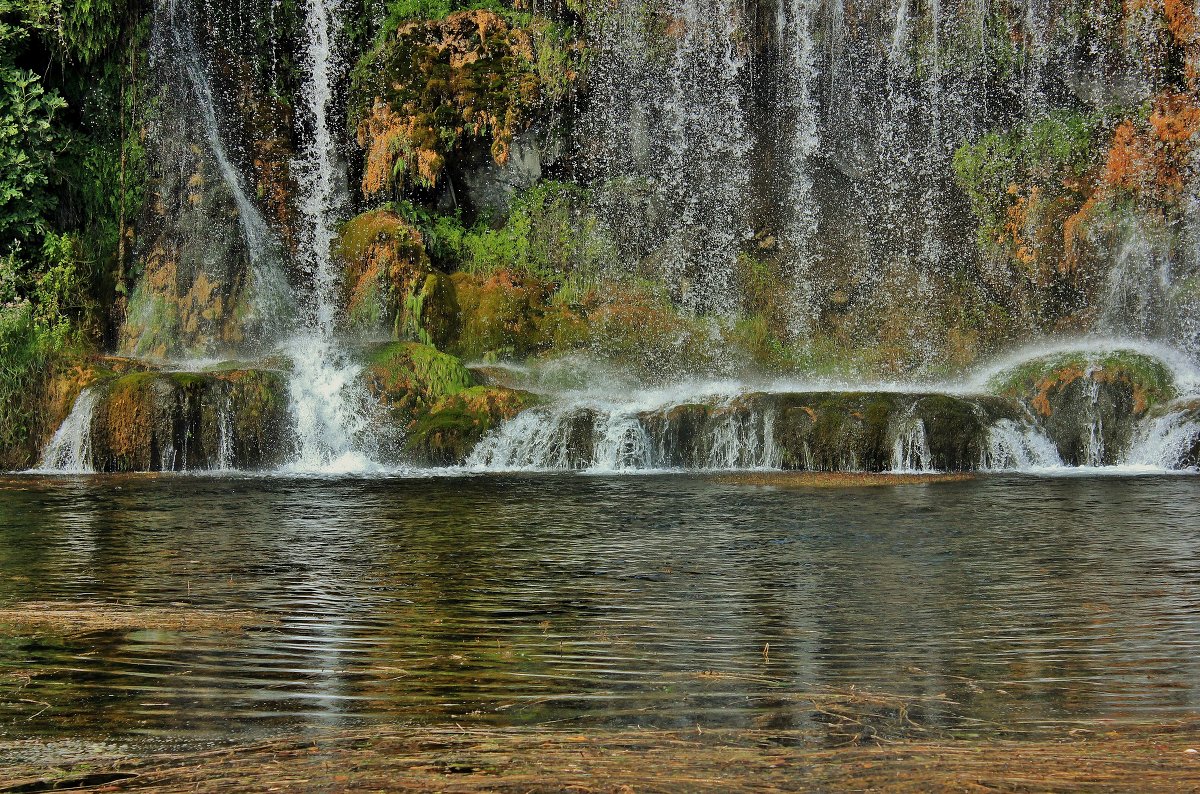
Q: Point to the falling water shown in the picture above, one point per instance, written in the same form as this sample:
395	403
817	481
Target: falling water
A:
326	398
680	139
70	451
1019	446
800	142
1167	442
910	449
679	429
270	297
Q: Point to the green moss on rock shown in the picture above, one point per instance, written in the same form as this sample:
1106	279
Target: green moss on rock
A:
388	282
175	421
430	85
409	378
1088	404
1041	381
455	424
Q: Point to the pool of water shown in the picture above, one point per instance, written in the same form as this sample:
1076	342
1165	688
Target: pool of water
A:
999	605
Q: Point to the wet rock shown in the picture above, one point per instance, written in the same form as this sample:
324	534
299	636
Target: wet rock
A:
499	315
435	402
814	431
408	379
179	421
388	283
1089	404
448	433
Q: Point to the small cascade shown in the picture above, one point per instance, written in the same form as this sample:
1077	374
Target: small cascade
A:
1019	446
583	433
70	450
744	440
225	440
1170	442
910	450
1094	452
621	444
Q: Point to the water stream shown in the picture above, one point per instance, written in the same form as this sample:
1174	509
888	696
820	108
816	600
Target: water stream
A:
327	401
270	297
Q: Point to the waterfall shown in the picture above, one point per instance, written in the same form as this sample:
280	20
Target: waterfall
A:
326	400
673	144
270	297
225	449
910	449
1167	442
647	432
1019	447
317	170
800	141
70	450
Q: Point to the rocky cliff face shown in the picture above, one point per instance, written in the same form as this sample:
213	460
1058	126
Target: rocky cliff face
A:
889	180
677	188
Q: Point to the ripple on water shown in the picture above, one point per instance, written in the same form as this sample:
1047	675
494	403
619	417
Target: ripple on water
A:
659	600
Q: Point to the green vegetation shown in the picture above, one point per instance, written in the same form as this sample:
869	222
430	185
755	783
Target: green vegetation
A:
1150	379
1047	154
70	186
549	234
435	85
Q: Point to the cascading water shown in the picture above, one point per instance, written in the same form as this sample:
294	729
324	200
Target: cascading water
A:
270	298
70	450
694	428
327	401
1019	446
677	147
800	140
910	449
1167	442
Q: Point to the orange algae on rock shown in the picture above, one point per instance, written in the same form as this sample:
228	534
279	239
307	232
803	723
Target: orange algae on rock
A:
383	262
432	83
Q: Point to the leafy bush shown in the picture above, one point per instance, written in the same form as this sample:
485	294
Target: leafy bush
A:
29	142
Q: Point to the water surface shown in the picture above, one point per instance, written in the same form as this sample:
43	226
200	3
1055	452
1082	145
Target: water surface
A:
1031	604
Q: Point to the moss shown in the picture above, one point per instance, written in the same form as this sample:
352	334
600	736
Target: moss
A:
384	266
1039	380
429	85
260	417
499	315
954	430
447	434
151	421
408	378
1024	186
151	323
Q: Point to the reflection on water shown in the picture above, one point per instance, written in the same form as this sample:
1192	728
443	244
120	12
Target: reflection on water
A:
586	601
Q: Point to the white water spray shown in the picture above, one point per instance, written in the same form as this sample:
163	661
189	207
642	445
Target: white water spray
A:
326	398
70	451
269	295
